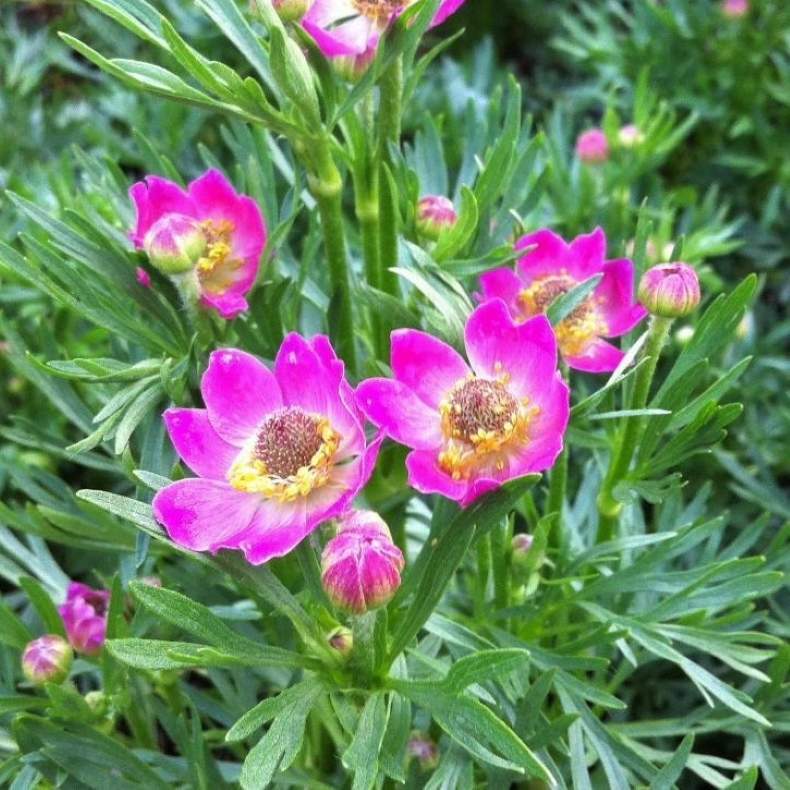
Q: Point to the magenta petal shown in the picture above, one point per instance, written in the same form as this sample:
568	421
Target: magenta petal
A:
400	413
274	530
502	284
239	391
304	379
228	304
599	357
339	29
198	444
547	257
496	345
587	253
154	198
446	7
204	515
426	477
426	365
615	298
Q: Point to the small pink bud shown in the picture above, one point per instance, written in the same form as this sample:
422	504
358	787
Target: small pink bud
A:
629	136
143	277
84	615
360	566
424	749
341	639
175	243
521	544
735	8
47	660
435	214
669	290
592	146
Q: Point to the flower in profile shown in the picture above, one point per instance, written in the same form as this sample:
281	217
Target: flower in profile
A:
353	27
473	426
276	452
208	233
669	290
592	146
550	268
361	566
47	660
433	215
84	615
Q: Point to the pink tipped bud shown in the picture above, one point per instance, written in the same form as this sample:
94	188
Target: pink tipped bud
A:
143	277
521	543
424	749
735	8
592	146
629	136
360	566
434	215
84	615
175	243
47	660
291	10
669	290
341	639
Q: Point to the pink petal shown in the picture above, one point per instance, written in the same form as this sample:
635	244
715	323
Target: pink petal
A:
204	515
214	197
598	357
446	7
549	255
400	413
154	198
198	444
426	365
336	38
239	391
502	284
495	344
615	298
305	380
426	477
480	486
228	304
587	253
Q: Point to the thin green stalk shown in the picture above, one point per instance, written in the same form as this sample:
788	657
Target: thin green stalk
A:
483	575
326	186
608	507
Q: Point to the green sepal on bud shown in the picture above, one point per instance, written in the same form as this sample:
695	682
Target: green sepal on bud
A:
175	243
293	75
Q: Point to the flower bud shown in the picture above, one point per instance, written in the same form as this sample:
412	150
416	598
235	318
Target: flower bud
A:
424	749
735	8
341	639
629	136
47	660
84	615
175	243
592	146
669	290
291	10
360	566
434	214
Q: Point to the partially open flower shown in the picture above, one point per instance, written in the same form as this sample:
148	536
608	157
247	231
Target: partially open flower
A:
361	566
669	290
473	426
84	615
550	268
208	230
592	146
277	452
353	27
47	660
434	214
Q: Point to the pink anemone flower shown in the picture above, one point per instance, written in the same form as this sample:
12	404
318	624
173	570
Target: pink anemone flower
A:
276	452
353	27
550	268
232	225
472	426
84	615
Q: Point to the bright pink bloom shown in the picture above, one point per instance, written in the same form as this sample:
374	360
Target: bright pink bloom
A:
550	268
472	426
276	452
669	290
361	566
353	27
47	660
232	224
592	146
84	615
735	8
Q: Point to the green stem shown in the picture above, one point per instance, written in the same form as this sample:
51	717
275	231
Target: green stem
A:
326	186
483	574
363	630
608	507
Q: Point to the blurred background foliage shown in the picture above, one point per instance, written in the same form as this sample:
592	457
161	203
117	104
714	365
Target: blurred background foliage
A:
709	94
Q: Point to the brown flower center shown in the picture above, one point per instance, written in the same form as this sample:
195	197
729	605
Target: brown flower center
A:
290	455
379	10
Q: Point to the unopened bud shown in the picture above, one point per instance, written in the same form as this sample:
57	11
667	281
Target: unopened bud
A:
669	290
629	136
434	215
424	749
175	243
361	566
291	10
341	639
47	660
84	615
592	146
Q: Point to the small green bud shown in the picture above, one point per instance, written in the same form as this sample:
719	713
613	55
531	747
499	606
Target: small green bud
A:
175	243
